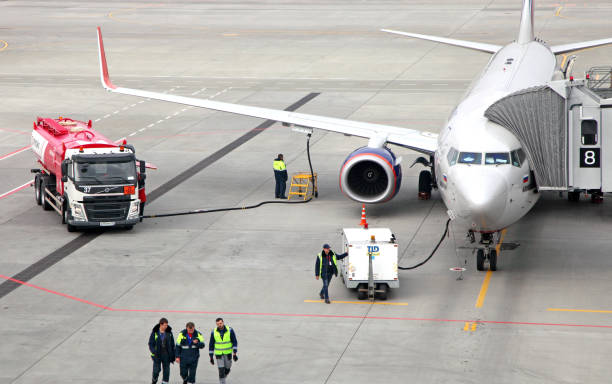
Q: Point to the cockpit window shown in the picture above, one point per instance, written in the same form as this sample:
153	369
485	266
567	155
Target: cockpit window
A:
452	156
518	157
470	158
497	158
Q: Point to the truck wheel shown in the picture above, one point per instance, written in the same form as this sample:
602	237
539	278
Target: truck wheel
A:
45	204
37	194
65	218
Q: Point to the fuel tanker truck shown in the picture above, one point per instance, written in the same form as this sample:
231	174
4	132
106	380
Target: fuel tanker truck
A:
88	179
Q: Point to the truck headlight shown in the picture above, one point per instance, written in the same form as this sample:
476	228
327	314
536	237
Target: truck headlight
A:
134	209
78	212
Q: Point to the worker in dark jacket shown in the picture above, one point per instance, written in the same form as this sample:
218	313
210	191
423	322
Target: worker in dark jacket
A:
188	345
280	175
161	346
223	344
326	266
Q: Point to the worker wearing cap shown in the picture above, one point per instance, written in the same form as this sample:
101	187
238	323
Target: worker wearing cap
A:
326	266
280	175
188	345
223	344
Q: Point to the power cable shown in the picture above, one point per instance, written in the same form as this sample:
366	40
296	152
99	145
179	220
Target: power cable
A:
432	252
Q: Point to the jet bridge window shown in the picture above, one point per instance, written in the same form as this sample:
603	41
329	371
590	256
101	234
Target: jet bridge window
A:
470	158
452	156
497	158
589	132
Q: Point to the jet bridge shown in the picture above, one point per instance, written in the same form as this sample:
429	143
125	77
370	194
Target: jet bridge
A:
565	127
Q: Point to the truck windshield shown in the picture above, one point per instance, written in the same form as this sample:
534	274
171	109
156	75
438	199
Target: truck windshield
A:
105	172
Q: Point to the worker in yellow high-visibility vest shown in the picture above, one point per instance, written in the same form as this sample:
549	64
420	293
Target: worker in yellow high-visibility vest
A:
223	344
280	175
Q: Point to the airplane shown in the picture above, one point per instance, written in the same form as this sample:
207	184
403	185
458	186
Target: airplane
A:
482	173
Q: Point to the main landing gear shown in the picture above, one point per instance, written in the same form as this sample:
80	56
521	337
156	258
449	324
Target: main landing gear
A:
486	251
426	178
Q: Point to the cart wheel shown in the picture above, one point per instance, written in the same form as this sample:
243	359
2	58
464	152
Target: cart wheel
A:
361	295
37	193
383	295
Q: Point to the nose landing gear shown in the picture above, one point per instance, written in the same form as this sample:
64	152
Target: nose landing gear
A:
486	251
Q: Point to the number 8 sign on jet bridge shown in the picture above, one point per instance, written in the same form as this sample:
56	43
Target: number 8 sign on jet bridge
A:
589	157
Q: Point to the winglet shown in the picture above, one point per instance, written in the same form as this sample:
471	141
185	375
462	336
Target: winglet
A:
106	83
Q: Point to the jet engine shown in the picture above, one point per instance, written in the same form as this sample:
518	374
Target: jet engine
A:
371	175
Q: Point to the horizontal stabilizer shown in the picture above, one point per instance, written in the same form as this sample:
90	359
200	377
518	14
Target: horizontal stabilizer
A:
558	49
483	47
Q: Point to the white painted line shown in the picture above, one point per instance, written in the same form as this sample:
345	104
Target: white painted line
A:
440	84
176	113
159	121
133	105
408	84
195	93
19	188
142	101
96	120
15	152
132	134
141	129
116	112
124	108
168	117
183	110
150	125
105	116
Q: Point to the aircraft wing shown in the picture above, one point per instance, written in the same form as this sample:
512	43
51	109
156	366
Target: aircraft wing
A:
490	48
425	142
558	49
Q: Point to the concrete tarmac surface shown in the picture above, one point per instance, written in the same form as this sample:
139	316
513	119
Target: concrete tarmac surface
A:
86	302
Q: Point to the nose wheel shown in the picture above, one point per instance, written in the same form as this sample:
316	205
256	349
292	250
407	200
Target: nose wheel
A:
482	255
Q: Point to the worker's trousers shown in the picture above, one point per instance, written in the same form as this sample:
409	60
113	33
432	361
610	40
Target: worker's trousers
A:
158	364
188	371
224	364
281	186
324	290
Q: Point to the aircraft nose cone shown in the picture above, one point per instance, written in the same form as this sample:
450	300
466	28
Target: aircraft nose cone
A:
484	195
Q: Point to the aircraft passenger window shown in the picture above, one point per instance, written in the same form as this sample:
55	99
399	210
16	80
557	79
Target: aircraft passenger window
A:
589	132
470	158
515	159
497	158
452	156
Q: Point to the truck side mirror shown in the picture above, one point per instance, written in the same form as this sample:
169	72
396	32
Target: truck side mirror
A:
64	169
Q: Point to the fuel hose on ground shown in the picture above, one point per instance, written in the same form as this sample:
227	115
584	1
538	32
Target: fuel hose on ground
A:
432	252
212	210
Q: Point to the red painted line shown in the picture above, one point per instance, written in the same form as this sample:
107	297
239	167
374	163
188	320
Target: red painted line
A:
15	152
14	131
5	194
305	315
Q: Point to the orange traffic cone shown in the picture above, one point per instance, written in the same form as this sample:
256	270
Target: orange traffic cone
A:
363	218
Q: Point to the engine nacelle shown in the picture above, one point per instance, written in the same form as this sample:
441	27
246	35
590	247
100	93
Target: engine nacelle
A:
370	175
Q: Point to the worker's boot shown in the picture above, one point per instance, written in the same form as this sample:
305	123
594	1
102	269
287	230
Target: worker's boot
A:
322	296
327	301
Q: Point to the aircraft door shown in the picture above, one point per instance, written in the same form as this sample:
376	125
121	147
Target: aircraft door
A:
585	154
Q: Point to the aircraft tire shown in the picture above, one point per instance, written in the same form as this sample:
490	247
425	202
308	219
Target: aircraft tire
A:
480	260
493	260
425	184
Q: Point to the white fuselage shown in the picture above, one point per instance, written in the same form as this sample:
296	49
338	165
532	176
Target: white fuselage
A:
494	192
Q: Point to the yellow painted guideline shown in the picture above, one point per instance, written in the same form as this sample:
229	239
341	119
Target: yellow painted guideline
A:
3	45
485	284
578	310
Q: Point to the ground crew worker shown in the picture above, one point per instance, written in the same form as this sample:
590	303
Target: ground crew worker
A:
222	344
280	175
326	266
188	345
161	346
